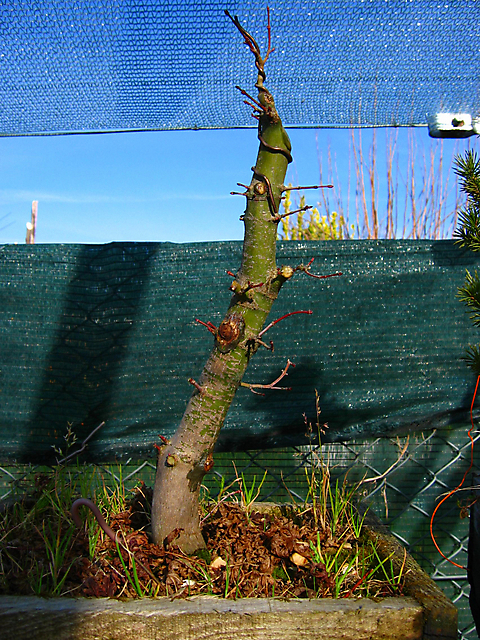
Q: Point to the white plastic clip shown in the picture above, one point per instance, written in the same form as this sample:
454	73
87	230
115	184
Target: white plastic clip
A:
452	125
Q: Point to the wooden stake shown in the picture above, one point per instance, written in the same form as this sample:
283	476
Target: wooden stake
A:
32	225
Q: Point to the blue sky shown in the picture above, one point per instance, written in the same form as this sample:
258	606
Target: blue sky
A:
164	186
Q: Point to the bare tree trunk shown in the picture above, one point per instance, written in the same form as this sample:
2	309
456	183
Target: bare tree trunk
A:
186	458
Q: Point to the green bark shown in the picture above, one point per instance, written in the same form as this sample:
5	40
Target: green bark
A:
186	458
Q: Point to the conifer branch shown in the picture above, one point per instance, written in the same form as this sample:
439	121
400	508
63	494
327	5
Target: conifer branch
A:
467	169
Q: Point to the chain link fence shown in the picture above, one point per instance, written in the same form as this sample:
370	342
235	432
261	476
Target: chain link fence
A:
401	478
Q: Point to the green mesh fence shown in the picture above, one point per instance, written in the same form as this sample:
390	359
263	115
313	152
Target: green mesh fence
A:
108	333
146	65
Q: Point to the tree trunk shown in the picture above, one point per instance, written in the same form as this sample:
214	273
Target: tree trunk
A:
184	461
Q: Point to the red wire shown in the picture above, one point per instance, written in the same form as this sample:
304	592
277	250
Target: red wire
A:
460	566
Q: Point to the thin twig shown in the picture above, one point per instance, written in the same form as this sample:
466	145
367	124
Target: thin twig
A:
330	275
306	269
391	467
292	313
211	327
290	213
196	385
314	186
83	447
272	385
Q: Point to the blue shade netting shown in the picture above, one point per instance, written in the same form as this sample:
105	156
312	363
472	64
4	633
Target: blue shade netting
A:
113	65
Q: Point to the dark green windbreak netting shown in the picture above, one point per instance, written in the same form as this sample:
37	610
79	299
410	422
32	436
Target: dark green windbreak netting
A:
94	333
111	65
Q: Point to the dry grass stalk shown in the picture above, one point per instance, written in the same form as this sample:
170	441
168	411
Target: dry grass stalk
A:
386	195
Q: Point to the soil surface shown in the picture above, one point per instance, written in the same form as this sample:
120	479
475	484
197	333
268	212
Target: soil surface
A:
250	553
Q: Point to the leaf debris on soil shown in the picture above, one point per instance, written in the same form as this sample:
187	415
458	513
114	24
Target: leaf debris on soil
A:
252	553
